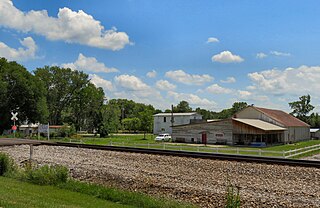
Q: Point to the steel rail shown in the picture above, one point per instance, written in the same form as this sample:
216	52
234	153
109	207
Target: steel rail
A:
216	156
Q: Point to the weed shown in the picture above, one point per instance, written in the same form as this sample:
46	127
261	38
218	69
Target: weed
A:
7	165
233	196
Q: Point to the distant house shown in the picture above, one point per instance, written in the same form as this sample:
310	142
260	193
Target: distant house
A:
162	121
249	126
28	129
315	133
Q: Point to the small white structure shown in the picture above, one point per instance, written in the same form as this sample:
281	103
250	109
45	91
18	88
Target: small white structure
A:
315	133
162	121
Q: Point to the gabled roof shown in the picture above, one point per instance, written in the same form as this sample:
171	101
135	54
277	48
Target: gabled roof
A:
177	114
265	126
282	117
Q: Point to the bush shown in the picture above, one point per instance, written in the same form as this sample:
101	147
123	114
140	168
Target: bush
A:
7	165
45	175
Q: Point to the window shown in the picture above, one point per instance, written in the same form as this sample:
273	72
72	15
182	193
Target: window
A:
164	119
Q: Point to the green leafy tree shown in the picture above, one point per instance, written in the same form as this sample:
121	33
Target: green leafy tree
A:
182	107
62	86
238	106
20	92
85	107
131	124
109	117
146	120
302	108
314	120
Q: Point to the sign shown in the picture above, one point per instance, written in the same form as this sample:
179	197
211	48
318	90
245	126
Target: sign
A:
43	128
14	128
14	116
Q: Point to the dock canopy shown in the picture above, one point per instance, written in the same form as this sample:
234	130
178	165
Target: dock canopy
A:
259	124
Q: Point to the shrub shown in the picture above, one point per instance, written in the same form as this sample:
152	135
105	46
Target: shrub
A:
45	175
7	165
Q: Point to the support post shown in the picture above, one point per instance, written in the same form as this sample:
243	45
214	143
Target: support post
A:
31	151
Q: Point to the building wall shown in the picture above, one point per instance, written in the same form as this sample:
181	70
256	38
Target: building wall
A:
317	135
159	126
298	133
293	134
218	131
252	113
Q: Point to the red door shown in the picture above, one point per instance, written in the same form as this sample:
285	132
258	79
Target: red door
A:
204	138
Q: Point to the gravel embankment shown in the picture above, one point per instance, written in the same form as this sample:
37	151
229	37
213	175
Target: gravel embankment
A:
314	157
200	181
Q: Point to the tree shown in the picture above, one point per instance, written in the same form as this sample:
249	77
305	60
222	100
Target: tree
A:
146	119
302	107
182	107
131	124
314	120
62	88
109	119
238	106
85	107
20	92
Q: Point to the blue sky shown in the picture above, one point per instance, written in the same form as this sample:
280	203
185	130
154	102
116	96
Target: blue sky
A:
209	53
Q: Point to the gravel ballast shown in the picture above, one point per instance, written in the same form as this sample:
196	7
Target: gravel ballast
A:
200	181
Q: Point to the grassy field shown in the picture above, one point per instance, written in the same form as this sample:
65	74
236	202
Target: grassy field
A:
14	193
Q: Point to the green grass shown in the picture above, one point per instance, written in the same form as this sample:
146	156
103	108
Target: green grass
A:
18	194
124	197
293	146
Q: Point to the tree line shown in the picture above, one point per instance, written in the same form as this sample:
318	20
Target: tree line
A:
63	96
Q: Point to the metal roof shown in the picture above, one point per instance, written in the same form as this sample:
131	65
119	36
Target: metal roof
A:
314	130
177	114
260	124
282	117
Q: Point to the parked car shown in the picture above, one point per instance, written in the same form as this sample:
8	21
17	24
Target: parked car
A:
163	138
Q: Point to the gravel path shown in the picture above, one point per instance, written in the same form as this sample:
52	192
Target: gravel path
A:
200	181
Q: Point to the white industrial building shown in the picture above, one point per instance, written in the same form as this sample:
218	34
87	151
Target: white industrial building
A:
162	121
251	125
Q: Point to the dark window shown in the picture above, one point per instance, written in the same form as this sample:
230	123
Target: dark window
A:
164	119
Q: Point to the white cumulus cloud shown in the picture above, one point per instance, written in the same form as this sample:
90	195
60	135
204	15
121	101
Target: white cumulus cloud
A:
188	79
226	57
69	26
261	55
217	89
90	64
165	85
212	40
293	81
100	82
152	74
131	82
193	100
229	80
28	51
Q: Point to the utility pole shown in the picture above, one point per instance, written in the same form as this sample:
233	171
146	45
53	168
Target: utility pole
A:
172	121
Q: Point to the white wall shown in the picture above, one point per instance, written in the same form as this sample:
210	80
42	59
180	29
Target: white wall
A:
159	126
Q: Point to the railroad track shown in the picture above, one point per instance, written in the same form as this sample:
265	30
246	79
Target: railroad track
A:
230	157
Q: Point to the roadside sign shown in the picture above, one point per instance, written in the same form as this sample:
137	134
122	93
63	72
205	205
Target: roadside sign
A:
14	116
43	128
14	128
